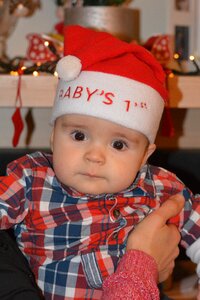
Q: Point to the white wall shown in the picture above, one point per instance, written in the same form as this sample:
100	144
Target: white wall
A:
154	16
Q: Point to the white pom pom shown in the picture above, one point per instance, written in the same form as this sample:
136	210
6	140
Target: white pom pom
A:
68	67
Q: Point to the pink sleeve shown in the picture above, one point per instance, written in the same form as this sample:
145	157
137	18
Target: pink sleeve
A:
135	278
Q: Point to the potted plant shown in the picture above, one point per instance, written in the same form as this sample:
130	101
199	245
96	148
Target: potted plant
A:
113	16
103	2
91	2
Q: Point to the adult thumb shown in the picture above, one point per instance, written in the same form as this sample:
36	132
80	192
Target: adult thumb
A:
170	208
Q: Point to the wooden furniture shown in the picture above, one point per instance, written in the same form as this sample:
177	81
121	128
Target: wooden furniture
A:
39	91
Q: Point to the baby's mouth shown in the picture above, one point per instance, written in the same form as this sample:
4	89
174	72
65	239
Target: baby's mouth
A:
92	175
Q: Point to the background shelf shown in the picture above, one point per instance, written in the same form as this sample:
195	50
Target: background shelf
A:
184	91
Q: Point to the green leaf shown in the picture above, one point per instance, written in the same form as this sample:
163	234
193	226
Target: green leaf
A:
102	2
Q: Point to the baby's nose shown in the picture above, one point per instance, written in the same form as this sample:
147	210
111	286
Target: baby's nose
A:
96	154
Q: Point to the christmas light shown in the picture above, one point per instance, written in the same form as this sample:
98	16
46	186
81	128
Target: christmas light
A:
35	73
14	73
171	75
192	58
46	43
176	56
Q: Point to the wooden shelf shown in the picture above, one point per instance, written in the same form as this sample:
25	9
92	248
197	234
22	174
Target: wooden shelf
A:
184	91
36	91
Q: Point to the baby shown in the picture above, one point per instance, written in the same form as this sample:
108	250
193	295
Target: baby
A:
72	210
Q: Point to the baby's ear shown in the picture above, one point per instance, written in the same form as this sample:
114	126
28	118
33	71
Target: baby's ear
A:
149	151
51	139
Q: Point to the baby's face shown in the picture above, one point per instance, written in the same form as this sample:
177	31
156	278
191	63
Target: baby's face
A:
94	156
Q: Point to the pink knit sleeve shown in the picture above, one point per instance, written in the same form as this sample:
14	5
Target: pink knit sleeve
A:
135	278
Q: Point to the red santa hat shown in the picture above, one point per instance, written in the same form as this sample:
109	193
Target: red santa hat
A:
104	77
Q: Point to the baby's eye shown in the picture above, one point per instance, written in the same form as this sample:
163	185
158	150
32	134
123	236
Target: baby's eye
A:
78	135
119	145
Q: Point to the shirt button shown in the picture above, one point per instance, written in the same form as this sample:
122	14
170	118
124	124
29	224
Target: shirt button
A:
116	213
115	235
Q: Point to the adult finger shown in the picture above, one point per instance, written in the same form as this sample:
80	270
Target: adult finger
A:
170	208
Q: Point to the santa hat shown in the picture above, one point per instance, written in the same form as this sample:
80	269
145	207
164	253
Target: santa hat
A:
104	77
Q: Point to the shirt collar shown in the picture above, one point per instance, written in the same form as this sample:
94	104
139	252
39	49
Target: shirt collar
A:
143	184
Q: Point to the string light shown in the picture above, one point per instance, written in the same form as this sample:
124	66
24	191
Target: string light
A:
17	63
171	75
46	43
176	56
35	73
192	58
23	64
14	73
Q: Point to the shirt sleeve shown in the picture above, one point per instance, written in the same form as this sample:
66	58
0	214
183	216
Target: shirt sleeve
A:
13	204
193	252
135	278
190	219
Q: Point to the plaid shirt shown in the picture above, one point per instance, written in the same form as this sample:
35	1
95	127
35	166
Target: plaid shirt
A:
74	241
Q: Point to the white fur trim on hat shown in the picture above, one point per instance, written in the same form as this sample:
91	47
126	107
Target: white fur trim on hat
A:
68	67
114	98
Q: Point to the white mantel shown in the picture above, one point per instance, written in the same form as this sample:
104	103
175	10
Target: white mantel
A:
38	93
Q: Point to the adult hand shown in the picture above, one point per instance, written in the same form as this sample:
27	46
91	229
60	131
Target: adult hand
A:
154	237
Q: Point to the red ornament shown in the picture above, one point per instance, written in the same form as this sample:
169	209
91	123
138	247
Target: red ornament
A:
159	47
16	118
59	27
37	50
18	126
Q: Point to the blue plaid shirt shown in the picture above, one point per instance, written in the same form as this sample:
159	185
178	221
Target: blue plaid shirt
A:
73	241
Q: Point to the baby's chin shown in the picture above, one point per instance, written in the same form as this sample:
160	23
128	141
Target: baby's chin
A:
91	192
97	188
96	193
